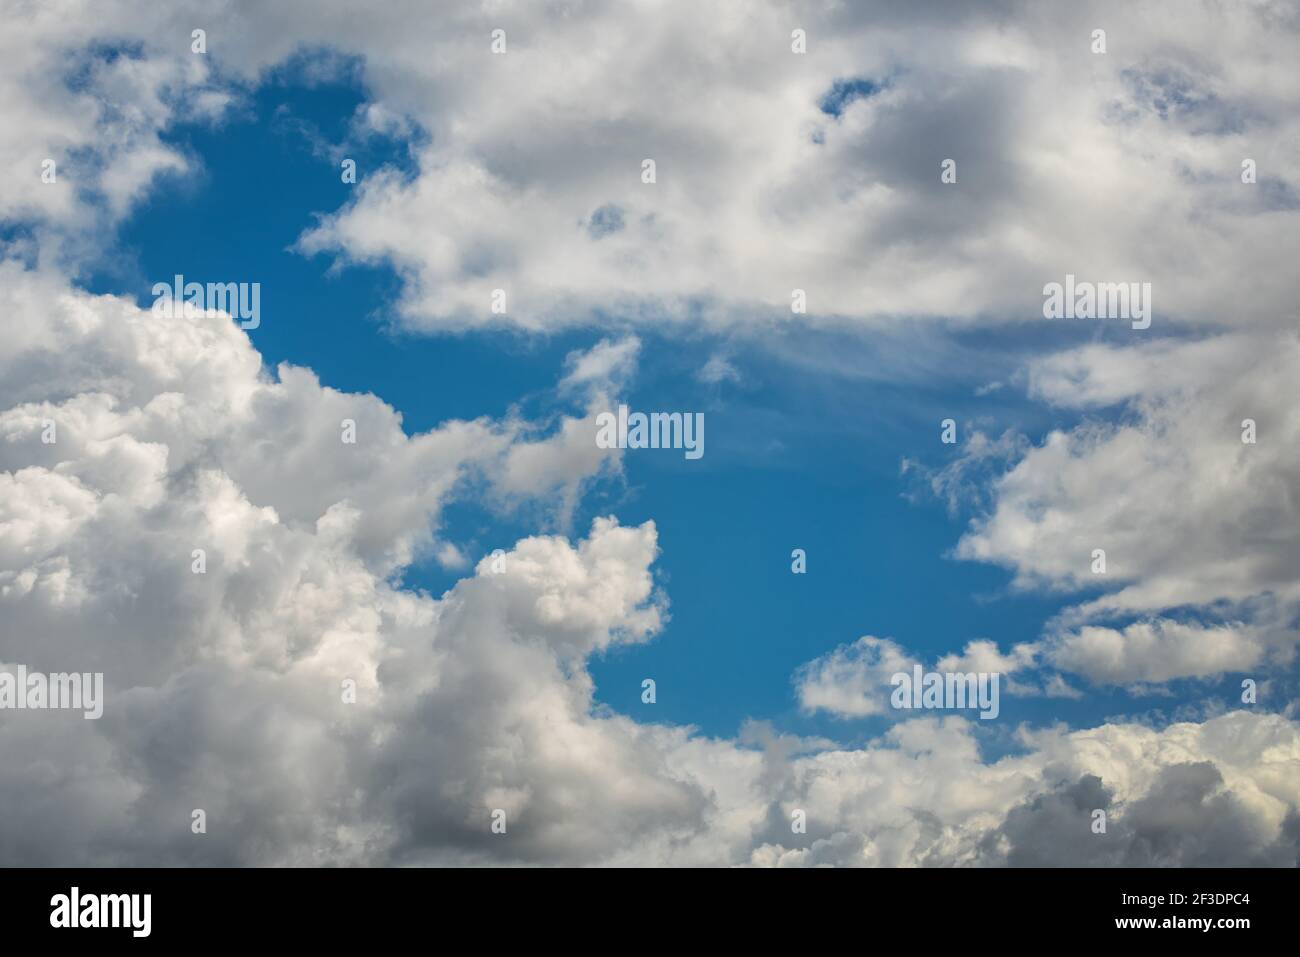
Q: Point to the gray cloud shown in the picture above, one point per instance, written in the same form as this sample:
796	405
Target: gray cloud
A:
1186	819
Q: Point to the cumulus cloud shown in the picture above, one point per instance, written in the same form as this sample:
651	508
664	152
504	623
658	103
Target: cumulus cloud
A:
1157	651
225	690
855	680
983	655
852	680
1186	819
1190	516
816	171
171	429
91	90
834	158
172	438
1019	669
897	802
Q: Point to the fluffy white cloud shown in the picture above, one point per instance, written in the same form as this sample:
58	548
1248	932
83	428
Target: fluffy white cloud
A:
172	430
226	685
852	680
1189	515
983	655
225	690
923	796
817	171
1157	651
92	89
821	171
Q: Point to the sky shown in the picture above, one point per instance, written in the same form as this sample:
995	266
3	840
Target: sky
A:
429	645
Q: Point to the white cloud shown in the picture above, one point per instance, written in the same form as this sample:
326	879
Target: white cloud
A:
607	364
852	680
983	655
224	689
923	796
1189	516
1116	167
449	556
1157	651
718	369
760	192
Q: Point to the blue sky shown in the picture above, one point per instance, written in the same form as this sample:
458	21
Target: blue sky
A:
344	678
802	453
